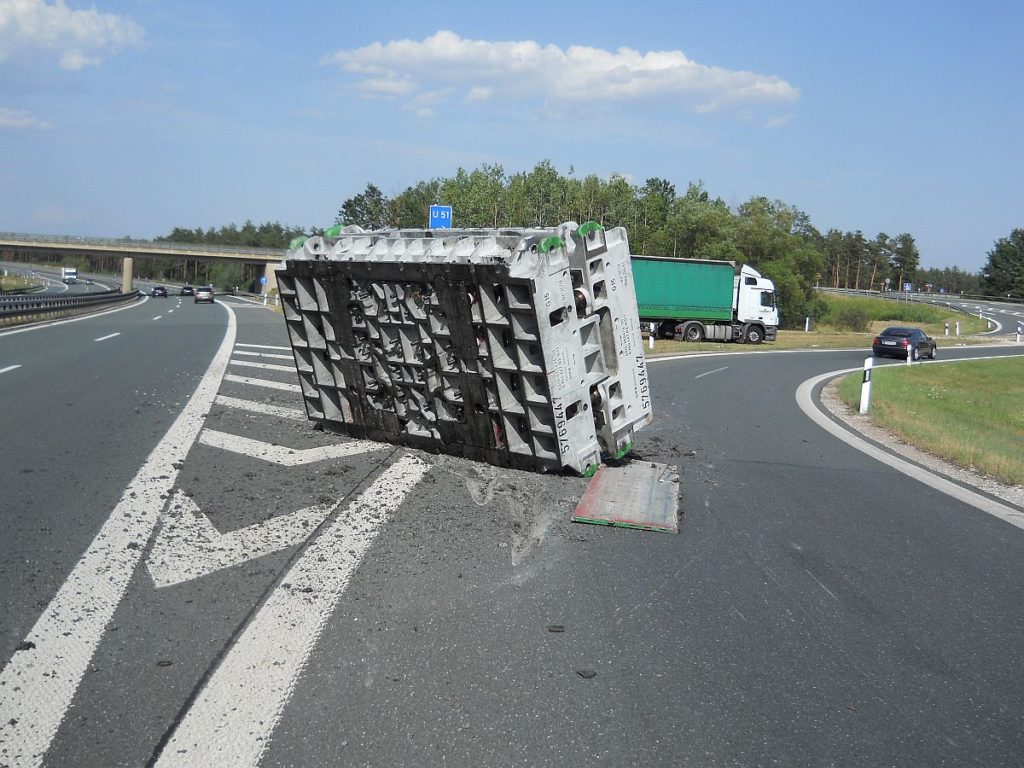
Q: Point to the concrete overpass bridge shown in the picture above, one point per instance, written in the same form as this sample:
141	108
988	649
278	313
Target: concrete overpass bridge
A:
14	244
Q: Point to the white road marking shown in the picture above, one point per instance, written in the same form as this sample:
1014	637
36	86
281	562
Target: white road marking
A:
158	317
263	354
108	336
264	366
268	410
9	368
188	546
234	716
263	382
939	483
37	696
282	455
708	373
262	346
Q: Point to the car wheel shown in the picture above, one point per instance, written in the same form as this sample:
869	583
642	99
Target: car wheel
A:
934	350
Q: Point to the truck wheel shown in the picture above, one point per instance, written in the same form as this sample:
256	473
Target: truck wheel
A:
693	332
754	335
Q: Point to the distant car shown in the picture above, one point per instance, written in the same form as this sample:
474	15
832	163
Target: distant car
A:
897	342
159	290
204	293
187	291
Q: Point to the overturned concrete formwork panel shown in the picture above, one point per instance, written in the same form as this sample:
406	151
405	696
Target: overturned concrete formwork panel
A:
518	347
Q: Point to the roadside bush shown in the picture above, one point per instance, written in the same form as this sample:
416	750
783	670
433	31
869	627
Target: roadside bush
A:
852	318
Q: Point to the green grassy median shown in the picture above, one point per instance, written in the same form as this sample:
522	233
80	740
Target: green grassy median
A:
970	414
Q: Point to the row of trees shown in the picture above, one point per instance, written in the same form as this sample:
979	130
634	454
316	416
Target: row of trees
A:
774	237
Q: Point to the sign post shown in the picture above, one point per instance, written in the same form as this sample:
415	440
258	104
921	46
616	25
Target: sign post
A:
440	217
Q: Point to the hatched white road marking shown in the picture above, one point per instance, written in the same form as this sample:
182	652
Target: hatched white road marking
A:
251	405
234	716
37	696
282	455
263	354
262	346
188	546
108	336
265	366
264	382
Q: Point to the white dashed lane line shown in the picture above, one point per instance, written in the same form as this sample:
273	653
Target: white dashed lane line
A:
108	336
9	368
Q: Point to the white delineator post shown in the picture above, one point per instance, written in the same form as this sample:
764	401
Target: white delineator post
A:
911	349
651	337
865	387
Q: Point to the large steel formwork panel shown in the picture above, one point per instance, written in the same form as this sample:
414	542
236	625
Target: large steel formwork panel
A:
515	347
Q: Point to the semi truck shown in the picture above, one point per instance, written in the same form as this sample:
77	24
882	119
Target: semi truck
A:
69	275
700	299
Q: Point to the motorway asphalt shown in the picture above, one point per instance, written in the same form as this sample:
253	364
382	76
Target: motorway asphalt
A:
816	608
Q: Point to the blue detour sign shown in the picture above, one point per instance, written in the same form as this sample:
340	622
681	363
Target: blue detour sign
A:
440	217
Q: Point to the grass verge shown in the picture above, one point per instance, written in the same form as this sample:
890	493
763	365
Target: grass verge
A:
970	414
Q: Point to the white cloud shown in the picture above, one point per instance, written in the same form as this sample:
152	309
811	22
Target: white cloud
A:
479	93
79	38
18	118
490	71
778	121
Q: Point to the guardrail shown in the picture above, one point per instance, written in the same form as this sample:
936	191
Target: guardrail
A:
22	309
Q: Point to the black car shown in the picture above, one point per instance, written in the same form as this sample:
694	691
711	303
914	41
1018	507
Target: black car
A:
188	291
159	290
898	342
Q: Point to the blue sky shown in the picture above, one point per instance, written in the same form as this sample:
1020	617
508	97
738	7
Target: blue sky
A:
130	118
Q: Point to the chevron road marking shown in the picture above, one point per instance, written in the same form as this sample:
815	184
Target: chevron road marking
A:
234	716
282	455
188	546
262	354
265	366
267	410
264	382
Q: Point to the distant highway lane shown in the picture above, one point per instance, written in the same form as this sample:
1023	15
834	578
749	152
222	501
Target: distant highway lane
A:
190	575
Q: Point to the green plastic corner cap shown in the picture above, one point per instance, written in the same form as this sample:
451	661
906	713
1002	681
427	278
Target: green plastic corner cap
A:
297	242
588	227
550	243
334	231
626	448
591	470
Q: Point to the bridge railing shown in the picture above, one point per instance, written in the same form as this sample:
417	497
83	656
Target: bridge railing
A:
143	245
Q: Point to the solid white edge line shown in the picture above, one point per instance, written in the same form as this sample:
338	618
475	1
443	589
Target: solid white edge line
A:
39	683
235	714
806	402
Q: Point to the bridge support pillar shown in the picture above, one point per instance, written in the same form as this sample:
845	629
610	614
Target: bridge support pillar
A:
271	275
126	274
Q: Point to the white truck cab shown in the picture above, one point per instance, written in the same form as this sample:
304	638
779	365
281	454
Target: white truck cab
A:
755	301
